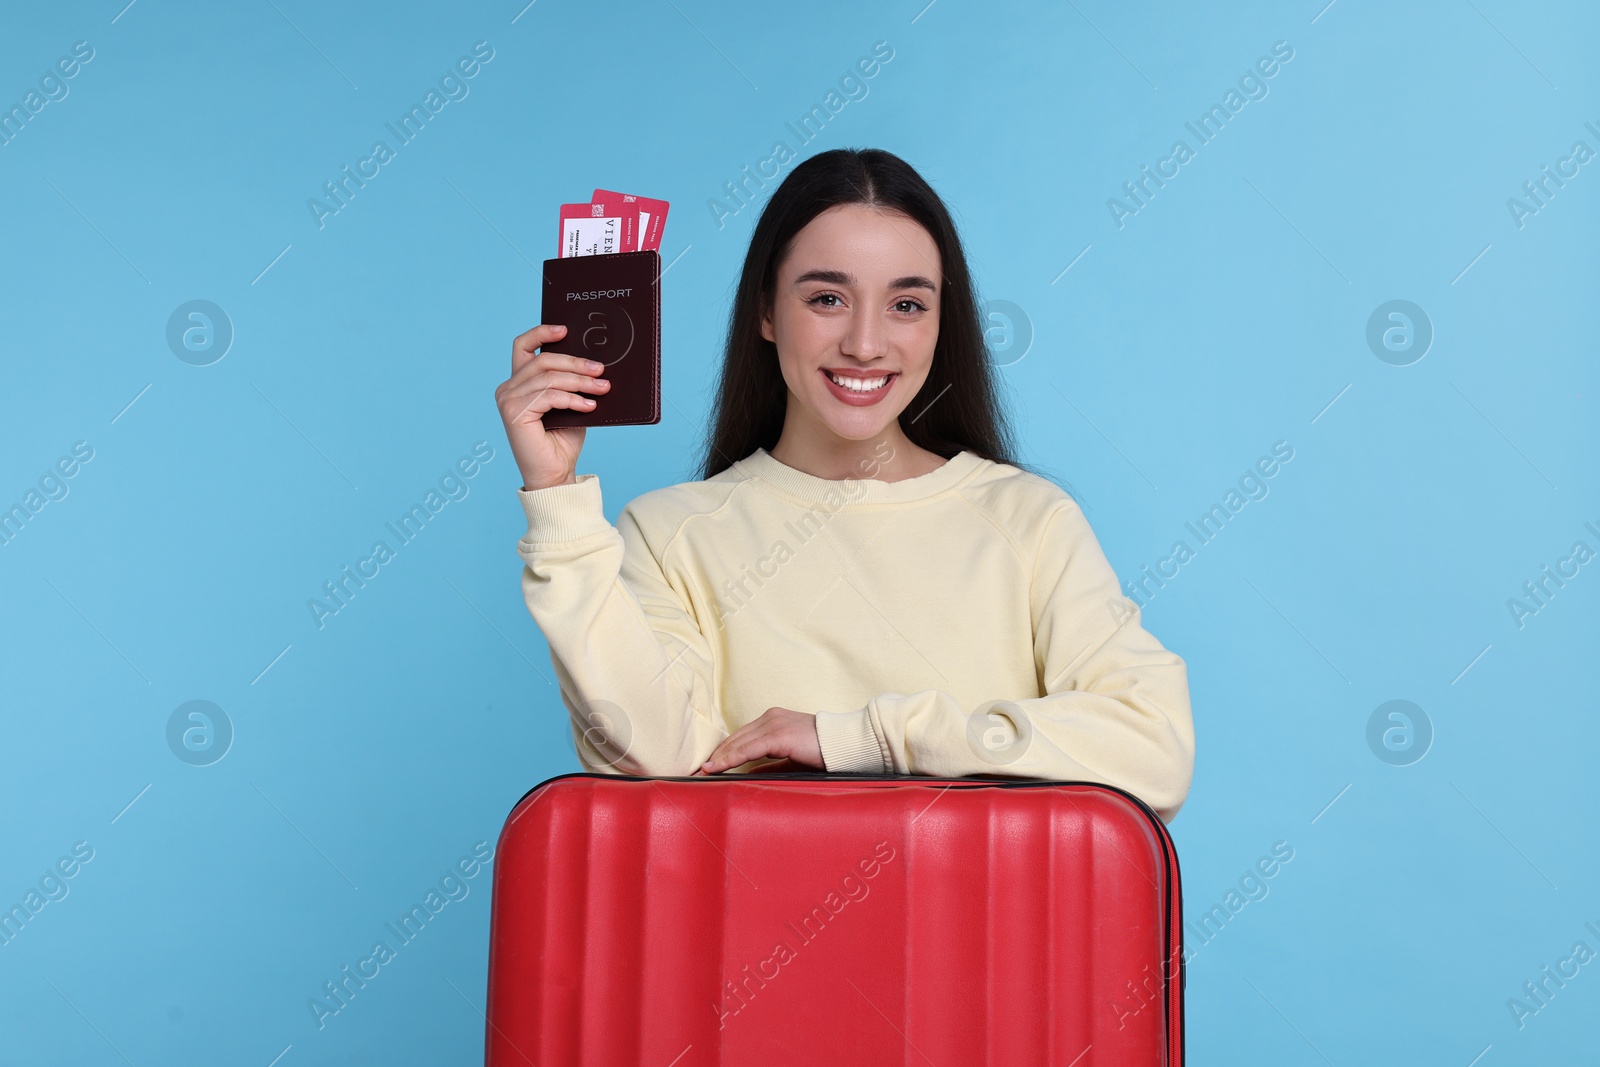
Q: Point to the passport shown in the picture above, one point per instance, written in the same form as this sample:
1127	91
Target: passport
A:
611	307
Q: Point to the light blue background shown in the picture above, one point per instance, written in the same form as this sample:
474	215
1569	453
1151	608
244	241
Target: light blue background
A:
1228	314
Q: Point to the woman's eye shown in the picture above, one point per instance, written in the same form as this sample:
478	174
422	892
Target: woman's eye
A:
905	306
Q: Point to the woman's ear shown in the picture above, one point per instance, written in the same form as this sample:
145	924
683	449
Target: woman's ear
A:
766	320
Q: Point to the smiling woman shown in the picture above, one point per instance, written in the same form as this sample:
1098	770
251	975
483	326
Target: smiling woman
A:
951	612
860	341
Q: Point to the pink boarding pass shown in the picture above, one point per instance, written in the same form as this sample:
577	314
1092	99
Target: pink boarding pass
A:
652	215
597	230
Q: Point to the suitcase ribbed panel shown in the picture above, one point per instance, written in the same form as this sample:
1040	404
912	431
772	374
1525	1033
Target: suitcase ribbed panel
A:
833	919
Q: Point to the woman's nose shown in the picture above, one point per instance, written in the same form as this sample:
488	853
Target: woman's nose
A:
865	338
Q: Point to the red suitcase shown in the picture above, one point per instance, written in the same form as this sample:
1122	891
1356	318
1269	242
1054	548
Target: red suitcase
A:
834	919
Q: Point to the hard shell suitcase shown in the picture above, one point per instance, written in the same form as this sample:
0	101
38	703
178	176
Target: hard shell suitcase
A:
781	919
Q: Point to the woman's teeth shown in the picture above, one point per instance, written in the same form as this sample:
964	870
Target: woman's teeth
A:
857	385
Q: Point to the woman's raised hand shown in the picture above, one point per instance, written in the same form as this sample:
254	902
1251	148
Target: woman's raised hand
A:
541	380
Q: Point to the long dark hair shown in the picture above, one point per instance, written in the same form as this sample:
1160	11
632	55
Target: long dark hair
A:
958	406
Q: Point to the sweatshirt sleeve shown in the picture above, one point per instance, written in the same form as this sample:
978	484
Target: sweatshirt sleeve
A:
1116	704
634	668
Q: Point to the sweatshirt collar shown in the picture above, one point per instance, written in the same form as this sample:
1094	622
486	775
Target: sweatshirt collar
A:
761	466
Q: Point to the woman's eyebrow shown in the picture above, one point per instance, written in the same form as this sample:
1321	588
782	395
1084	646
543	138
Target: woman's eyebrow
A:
839	277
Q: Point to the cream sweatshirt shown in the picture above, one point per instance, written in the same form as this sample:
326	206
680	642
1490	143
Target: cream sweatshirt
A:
961	622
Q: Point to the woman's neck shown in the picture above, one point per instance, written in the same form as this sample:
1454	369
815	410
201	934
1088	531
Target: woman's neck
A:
889	457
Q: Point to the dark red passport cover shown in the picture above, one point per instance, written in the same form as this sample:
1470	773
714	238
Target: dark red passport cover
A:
611	307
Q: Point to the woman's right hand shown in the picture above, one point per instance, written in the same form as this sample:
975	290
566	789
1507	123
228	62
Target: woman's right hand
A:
542	380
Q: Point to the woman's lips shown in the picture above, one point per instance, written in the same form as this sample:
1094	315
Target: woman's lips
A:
855	399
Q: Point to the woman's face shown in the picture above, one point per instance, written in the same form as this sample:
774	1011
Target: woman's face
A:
857	298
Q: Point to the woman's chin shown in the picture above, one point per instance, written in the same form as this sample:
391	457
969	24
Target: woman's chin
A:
860	424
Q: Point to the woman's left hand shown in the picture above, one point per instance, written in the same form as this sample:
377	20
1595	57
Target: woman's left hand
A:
778	732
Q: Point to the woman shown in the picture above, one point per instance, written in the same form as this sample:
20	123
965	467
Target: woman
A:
863	579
